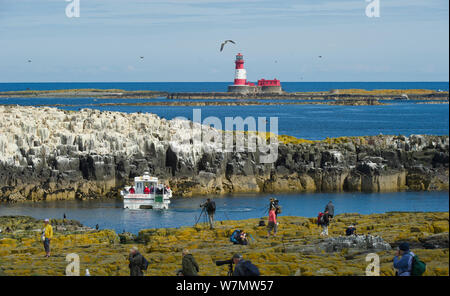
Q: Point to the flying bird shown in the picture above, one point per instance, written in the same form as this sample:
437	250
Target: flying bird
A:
320	57
29	61
225	42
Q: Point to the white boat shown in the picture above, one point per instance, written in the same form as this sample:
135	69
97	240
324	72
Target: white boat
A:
157	195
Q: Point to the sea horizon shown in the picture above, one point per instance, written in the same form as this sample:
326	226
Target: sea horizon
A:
299	86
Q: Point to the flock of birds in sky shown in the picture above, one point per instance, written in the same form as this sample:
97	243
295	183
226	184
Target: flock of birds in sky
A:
222	46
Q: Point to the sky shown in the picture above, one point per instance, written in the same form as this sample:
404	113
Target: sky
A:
180	40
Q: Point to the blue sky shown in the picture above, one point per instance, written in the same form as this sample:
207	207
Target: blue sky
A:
180	40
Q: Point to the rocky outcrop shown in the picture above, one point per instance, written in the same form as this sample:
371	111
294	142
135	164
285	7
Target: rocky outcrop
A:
104	252
353	244
51	154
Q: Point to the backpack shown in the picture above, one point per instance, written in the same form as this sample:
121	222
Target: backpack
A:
250	269
235	236
320	219
211	206
144	263
418	266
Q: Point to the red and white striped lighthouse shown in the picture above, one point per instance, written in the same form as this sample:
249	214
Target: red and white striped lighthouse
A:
240	77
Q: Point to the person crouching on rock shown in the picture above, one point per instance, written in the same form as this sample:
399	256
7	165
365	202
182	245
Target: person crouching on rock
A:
137	263
47	236
189	265
325	221
272	225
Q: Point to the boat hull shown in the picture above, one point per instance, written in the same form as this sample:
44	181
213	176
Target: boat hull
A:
146	201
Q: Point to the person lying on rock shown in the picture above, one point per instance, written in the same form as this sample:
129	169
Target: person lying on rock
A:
243	240
351	230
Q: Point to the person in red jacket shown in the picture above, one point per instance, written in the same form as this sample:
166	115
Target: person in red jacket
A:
132	191
272	222
146	190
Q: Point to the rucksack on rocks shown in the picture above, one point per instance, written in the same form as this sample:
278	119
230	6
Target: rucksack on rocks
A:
418	266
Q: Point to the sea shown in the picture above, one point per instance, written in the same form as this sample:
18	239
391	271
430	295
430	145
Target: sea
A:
313	122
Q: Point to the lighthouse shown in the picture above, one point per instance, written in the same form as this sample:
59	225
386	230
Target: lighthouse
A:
240	78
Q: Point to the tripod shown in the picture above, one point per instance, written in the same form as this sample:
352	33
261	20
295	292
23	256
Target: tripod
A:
230	269
201	213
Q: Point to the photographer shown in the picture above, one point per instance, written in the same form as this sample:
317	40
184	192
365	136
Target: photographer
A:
274	204
244	267
210	207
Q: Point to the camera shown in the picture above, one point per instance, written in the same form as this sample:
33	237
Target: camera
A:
220	263
230	265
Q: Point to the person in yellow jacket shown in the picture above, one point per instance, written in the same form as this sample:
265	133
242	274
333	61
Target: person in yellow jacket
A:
47	236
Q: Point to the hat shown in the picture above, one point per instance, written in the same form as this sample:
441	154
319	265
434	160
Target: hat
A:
404	247
46	220
237	256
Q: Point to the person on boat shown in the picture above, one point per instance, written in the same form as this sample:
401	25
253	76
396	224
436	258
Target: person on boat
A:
272	225
132	191
146	190
210	207
152	189
189	265
137	263
47	236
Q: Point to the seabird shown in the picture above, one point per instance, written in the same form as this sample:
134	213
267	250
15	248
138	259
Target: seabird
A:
225	42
